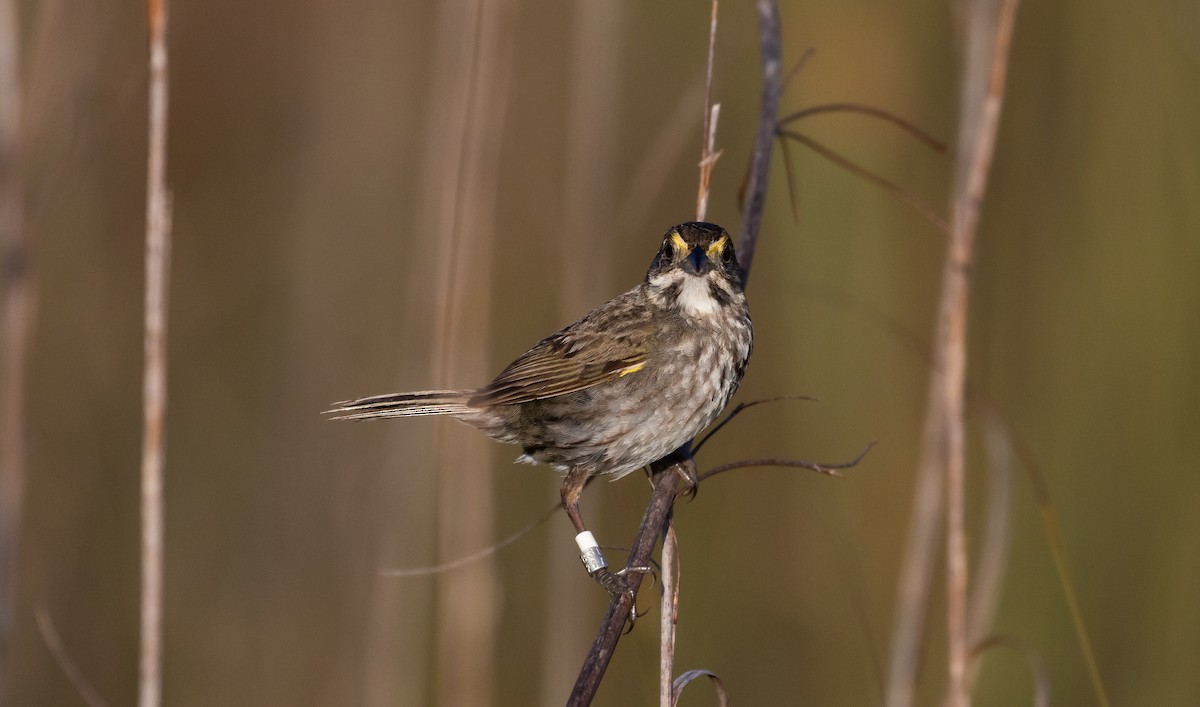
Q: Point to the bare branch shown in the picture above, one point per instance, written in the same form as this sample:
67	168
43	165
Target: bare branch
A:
662	499
665	472
764	138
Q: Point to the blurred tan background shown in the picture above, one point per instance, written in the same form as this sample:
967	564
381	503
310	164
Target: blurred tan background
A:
377	196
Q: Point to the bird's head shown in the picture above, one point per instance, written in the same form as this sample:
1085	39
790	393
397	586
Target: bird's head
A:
697	268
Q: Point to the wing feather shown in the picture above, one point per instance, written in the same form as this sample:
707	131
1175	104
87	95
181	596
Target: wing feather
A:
586	354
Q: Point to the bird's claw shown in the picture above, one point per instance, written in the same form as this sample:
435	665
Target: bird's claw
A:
614	582
691	480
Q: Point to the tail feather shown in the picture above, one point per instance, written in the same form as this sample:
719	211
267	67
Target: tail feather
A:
425	402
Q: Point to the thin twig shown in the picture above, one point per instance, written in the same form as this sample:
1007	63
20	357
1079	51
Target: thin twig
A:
1041	678
16	298
87	691
899	192
474	556
738	410
795	70
892	118
819	467
1050	525
158	248
691	676
764	137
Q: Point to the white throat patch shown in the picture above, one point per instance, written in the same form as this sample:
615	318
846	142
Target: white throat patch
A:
695	297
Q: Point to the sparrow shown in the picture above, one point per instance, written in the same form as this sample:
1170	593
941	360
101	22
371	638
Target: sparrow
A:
629	383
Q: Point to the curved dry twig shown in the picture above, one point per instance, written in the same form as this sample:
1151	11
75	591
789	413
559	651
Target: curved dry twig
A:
685	679
854	168
1041	677
819	467
739	409
474	556
892	118
86	690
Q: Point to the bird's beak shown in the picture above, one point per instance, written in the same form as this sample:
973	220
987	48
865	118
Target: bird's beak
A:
696	261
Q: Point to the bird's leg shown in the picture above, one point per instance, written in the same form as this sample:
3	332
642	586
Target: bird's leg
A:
589	549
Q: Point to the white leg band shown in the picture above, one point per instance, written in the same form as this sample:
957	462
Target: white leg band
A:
589	552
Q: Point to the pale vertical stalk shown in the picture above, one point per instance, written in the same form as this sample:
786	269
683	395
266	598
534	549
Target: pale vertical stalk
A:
708	155
989	30
465	230
154	391
997	535
17	315
668	615
990	26
587	242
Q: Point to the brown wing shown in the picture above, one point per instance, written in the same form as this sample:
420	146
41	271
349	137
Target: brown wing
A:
580	356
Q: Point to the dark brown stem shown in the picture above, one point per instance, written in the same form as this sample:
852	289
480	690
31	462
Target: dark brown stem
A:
764	136
664	474
665	479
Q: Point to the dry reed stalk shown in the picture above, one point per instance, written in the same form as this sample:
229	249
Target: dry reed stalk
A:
16	298
154	390
668	615
941	470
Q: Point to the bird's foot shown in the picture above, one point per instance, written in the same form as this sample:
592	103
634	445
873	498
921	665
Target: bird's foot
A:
686	471
614	582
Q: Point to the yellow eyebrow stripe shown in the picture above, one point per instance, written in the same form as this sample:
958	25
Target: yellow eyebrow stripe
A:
678	242
716	248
